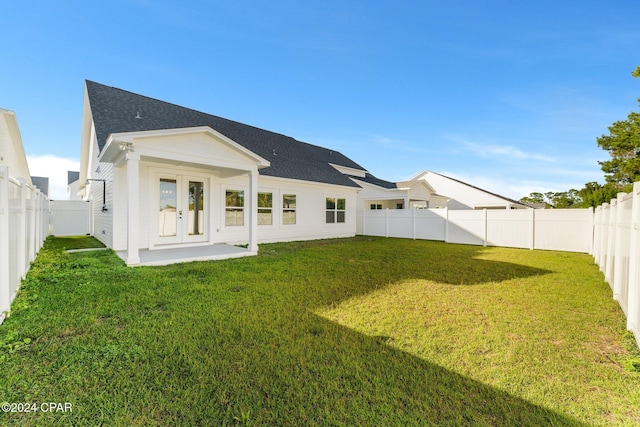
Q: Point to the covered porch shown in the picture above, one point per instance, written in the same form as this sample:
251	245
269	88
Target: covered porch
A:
188	254
156	168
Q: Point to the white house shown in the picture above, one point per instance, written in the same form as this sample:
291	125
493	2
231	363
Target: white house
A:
11	148
73	185
379	194
169	184
466	196
23	212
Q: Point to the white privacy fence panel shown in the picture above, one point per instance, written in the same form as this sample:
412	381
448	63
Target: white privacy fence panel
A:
70	217
568	230
24	218
510	228
431	224
563	230
466	227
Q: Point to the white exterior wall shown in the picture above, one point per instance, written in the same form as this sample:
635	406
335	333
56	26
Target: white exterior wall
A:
11	148
102	220
310	207
72	189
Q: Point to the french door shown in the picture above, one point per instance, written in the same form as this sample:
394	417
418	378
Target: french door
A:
181	210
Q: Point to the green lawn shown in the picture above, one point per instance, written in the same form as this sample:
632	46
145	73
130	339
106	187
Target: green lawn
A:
362	331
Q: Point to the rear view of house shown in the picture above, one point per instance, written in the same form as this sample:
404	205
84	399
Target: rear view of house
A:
162	177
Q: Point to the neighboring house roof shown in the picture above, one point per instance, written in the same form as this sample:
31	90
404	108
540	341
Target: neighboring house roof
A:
72	177
117	111
41	183
417	176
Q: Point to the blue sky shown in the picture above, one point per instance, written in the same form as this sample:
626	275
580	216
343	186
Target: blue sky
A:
506	95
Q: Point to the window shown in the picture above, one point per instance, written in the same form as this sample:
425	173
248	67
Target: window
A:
265	208
288	209
375	206
234	208
399	205
336	210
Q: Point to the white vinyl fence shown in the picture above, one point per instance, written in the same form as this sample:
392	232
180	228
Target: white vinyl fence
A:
616	250
70	217
560	229
24	225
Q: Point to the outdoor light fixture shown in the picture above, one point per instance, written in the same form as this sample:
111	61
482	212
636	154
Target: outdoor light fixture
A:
126	146
104	191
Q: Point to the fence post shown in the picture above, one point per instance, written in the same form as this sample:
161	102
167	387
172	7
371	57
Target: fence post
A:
5	288
611	240
446	225
486	225
386	226
414	222
618	251
532	230
633	304
22	229
595	247
592	228
364	220
31	224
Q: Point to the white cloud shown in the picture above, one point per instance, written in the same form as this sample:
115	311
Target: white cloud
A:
504	152
55	168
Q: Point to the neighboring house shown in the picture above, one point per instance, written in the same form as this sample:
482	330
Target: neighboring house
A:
379	194
23	212
169	183
466	196
73	185
11	148
41	183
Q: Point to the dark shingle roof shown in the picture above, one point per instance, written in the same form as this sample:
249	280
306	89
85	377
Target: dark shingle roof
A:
72	177
115	111
41	183
370	179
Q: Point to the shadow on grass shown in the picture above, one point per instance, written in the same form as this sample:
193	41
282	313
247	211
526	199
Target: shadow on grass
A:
346	377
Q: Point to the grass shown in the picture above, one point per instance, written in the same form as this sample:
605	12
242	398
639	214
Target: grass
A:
362	331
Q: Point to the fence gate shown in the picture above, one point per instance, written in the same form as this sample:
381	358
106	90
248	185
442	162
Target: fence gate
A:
70	217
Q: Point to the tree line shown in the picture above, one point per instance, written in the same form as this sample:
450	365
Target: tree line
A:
620	171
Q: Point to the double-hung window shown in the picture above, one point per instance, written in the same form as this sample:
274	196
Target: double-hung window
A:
265	208
288	209
234	208
336	210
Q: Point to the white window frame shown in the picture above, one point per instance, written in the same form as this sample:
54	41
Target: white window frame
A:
265	209
335	211
288	209
228	208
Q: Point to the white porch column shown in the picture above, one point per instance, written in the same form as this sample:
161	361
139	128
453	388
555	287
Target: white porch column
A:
133	202
253	211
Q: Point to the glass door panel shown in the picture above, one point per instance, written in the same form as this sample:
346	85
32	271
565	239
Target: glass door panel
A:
196	208
168	214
